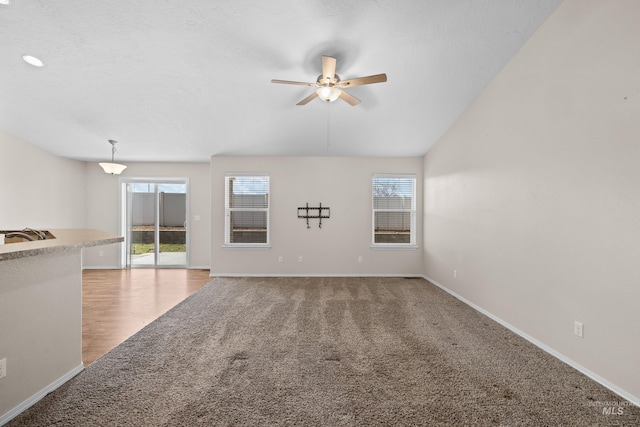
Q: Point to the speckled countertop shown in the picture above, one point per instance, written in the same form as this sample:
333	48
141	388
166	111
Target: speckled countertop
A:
66	240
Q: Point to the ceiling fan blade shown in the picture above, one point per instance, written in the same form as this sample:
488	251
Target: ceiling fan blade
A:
308	98
350	99
289	82
377	78
328	69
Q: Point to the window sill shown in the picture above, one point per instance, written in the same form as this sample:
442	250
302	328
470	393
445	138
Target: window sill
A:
393	247
247	246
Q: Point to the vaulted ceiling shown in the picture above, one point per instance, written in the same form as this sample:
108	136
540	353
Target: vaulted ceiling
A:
184	80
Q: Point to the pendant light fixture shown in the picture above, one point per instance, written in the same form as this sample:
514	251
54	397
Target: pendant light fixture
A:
112	168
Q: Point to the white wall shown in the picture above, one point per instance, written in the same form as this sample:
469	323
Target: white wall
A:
39	189
341	183
41	333
533	196
103	206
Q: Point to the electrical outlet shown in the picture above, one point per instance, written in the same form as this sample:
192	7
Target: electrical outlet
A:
101	253
280	259
578	329
300	258
359	259
455	274
3	367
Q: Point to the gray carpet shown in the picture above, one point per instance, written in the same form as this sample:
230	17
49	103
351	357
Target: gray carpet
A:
326	352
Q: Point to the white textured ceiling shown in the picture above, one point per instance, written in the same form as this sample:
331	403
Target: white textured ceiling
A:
184	80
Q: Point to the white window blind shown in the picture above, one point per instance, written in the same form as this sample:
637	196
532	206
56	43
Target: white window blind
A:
394	210
247	210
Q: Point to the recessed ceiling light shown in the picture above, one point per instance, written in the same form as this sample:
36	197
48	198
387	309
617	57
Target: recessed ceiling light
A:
4	1
32	60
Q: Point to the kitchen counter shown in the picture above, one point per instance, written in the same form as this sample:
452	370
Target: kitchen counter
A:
41	314
65	240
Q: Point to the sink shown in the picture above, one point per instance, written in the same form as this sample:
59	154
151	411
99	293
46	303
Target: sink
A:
25	235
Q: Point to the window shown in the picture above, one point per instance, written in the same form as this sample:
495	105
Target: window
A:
394	210
247	210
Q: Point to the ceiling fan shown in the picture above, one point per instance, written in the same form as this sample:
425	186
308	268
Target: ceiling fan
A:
330	87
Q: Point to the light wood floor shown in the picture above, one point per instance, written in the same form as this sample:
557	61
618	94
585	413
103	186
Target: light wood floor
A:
118	303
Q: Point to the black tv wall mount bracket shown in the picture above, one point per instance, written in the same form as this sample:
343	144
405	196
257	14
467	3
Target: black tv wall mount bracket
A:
310	212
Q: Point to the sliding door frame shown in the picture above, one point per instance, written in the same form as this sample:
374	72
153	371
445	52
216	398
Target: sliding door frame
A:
125	201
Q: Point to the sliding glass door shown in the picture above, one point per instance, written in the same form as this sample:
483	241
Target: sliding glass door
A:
155	222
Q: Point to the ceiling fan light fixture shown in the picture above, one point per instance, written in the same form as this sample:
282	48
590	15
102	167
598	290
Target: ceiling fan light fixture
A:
328	93
112	167
329	86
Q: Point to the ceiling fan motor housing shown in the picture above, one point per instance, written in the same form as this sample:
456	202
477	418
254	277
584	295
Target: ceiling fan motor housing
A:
324	83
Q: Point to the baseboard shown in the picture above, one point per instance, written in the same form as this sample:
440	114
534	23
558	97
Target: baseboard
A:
213	274
597	378
5	418
117	267
101	267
